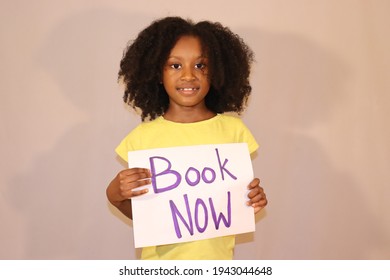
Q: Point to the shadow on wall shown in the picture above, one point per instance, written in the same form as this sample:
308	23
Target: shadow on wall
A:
315	211
62	198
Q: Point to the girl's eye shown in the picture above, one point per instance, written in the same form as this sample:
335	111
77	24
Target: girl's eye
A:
200	66
175	66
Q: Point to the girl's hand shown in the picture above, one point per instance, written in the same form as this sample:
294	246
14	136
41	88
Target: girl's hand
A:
256	195
123	186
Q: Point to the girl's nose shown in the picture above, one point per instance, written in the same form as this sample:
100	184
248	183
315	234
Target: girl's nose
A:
188	74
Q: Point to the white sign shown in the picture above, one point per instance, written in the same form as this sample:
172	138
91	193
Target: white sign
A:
197	192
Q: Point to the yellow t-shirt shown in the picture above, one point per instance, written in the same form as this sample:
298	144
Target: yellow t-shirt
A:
161	133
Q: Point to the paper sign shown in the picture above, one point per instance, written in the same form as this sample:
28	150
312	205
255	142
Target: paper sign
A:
197	192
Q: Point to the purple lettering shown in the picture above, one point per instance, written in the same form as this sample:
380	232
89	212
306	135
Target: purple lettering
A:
221	217
204	177
200	222
222	167
167	171
205	212
197	174
175	212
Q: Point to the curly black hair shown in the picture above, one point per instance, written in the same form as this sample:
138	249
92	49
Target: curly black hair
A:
143	60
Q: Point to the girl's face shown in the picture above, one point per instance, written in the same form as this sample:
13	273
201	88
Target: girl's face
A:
185	74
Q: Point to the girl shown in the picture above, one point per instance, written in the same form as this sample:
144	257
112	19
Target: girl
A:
183	76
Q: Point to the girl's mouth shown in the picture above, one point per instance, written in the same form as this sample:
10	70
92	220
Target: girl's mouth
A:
188	90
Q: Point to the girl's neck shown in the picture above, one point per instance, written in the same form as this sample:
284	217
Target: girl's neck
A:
188	116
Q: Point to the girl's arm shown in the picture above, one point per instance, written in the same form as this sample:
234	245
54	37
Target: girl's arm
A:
121	189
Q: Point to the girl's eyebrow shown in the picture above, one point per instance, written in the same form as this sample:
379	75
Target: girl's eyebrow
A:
179	57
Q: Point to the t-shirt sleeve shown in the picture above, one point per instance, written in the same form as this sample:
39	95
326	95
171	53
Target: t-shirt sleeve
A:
129	143
248	137
122	149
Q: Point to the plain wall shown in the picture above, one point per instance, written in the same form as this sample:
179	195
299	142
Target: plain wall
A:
319	109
